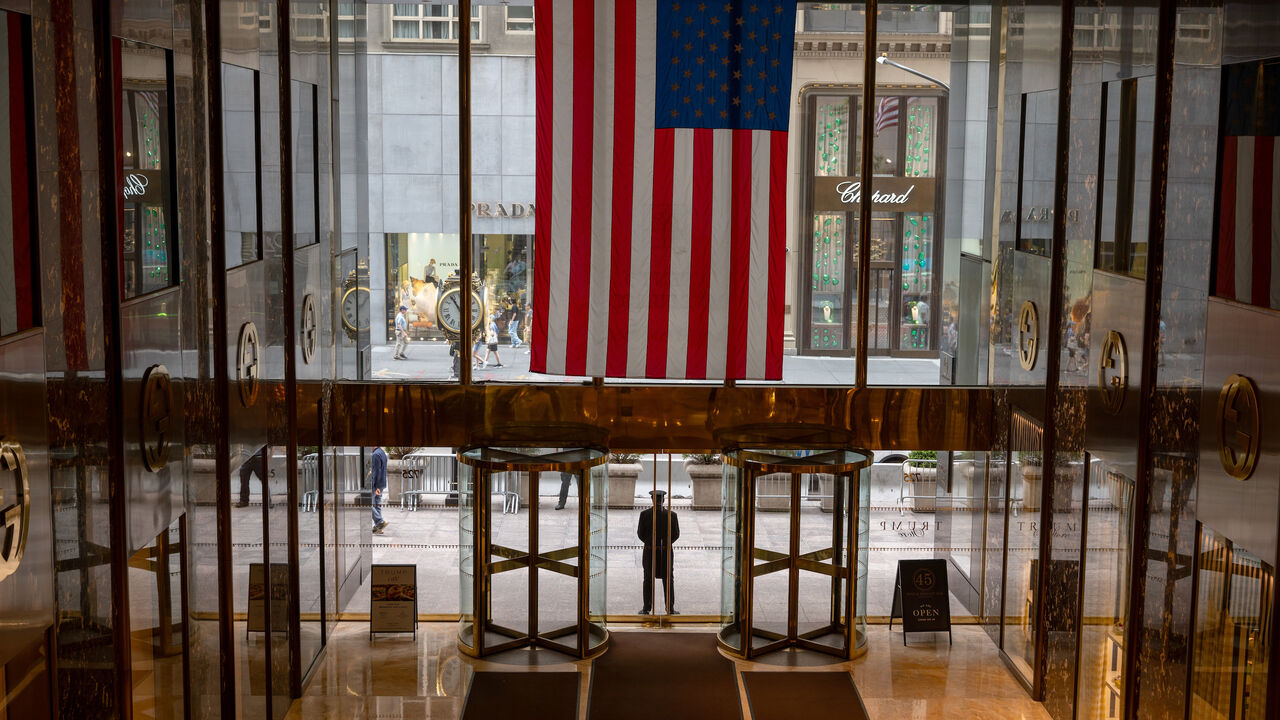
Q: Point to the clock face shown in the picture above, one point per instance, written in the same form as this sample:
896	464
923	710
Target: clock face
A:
355	306
450	310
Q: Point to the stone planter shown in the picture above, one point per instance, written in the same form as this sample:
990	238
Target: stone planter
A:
622	484
773	492
923	486
1032	486
708	482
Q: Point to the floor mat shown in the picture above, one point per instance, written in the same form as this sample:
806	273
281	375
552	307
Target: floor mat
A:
513	695
808	695
663	676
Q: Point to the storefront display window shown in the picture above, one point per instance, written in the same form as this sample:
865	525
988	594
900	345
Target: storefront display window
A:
148	221
419	263
902	294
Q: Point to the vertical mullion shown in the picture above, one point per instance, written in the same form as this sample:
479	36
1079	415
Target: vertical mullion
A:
464	196
864	201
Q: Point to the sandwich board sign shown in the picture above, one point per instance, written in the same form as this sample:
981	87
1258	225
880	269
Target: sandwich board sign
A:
276	592
393	599
921	598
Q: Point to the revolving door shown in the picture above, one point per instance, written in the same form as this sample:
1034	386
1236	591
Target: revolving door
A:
532	576
794	569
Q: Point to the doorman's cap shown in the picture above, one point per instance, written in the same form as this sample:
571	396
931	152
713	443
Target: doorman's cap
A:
659	494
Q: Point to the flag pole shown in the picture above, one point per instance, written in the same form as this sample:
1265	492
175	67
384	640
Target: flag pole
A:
464	189
864	201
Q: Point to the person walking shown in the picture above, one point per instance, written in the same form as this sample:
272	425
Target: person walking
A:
402	335
492	339
565	479
252	466
652	530
379	472
513	328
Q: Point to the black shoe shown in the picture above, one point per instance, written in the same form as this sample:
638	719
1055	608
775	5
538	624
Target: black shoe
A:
560	507
243	503
673	612
644	612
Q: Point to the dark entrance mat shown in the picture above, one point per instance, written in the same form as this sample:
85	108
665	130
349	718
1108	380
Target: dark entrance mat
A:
663	676
513	695
808	695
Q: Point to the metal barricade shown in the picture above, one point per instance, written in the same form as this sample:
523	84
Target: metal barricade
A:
309	478
507	484
426	471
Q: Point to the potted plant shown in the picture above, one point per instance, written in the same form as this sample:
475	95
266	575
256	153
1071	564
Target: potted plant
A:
707	475
623	469
921	473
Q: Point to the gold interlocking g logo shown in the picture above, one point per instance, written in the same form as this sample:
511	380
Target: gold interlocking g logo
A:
309	330
1028	335
15	512
1238	427
154	418
247	364
1113	372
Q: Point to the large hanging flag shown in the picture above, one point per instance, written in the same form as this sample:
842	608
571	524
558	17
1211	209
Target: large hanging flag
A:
661	187
1248	248
886	114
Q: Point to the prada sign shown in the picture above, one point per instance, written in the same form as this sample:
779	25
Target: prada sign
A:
502	210
888	194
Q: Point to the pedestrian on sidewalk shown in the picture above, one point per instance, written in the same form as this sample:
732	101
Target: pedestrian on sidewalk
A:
513	328
379	473
402	335
493	342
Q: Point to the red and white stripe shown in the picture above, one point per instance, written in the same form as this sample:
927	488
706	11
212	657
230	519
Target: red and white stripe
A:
886	114
659	253
1249	221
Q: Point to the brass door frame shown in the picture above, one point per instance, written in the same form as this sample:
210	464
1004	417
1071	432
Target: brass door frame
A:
485	463
753	464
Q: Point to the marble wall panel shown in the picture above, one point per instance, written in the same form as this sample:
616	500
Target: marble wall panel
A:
1245	341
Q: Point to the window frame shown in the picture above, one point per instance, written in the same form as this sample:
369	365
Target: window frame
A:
450	21
531	21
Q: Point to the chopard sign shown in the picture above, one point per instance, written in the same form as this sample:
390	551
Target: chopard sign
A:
888	194
142	186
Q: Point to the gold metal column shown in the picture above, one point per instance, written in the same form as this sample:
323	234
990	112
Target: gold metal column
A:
480	486
801	454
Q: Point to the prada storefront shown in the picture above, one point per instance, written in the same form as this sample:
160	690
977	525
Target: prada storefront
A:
1055	219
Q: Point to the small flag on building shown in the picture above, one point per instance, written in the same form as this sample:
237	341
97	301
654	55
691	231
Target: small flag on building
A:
661	188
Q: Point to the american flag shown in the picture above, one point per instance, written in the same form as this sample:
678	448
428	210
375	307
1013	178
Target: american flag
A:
886	114
661	188
1248	249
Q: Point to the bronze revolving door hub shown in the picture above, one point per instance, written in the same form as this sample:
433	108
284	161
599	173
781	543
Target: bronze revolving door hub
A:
794	568
531	577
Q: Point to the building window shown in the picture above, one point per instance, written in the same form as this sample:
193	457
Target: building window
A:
519	19
19	274
148	233
310	21
350	27
410	21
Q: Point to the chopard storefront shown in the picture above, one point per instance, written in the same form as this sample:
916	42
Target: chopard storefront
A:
905	224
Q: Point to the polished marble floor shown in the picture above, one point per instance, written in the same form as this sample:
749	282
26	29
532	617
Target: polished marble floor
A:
392	678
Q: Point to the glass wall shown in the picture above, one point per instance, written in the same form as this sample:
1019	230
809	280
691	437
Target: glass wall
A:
19	276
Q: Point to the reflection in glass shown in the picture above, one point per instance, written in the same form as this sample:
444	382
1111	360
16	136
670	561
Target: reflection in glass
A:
157	588
306	217
148	223
1023	538
310	514
240	189
251	591
1106	592
19	279
1126	175
1234	603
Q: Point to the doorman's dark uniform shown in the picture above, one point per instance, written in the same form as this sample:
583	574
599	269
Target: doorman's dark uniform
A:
654	536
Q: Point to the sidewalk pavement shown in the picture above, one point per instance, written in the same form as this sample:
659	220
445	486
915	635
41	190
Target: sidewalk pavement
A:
429	360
